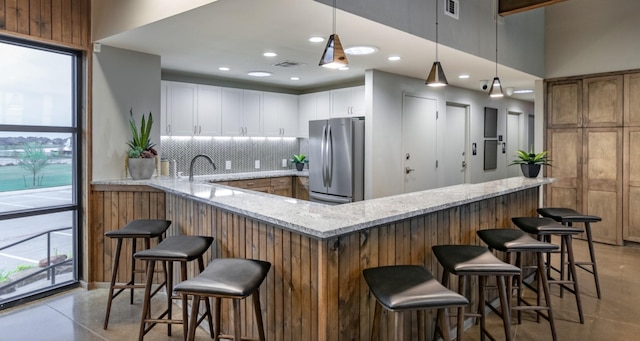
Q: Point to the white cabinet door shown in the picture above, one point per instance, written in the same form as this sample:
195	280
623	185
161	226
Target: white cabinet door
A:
182	108
323	105
165	118
306	113
288	115
208	111
231	107
357	101
270	114
341	102
252	112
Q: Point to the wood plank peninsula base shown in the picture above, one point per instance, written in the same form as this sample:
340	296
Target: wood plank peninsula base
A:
315	289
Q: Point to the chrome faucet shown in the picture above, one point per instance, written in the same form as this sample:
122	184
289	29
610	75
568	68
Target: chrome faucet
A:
194	160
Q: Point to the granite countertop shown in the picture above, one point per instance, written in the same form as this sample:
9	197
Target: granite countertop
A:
324	221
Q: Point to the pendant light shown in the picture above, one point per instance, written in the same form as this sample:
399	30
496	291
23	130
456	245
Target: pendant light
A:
334	56
436	76
496	86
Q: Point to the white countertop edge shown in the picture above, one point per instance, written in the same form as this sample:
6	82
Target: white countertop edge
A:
323	221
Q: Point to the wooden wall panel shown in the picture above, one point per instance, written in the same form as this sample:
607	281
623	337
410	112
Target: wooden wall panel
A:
632	100
565	147
564	107
602	101
631	184
62	22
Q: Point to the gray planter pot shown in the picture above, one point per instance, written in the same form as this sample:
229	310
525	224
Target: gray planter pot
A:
299	166
530	171
142	168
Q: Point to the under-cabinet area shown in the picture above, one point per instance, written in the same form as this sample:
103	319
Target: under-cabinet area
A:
286	186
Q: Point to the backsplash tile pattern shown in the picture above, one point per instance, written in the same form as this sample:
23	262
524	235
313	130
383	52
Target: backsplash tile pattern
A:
242	152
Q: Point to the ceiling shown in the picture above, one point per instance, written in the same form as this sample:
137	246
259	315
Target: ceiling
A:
235	34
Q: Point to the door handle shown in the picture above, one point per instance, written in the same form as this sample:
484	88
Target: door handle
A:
408	170
464	164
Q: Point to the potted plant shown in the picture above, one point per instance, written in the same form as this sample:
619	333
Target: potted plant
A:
299	161
141	156
530	162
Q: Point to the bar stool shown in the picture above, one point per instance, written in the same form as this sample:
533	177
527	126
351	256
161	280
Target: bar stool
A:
544	228
469	260
180	249
145	229
401	288
232	278
516	241
567	216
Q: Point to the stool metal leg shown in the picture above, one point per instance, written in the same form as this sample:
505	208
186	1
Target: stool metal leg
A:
592	255
114	275
258	310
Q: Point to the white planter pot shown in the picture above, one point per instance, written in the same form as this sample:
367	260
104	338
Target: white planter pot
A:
142	168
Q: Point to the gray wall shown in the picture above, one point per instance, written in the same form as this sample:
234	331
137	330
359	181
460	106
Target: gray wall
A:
521	36
122	80
384	93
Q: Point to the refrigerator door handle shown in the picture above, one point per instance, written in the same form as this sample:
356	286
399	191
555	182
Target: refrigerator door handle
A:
329	157
322	153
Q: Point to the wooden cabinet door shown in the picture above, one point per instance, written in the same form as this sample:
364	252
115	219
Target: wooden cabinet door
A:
631	185
602	101
565	150
632	100
564	104
602	182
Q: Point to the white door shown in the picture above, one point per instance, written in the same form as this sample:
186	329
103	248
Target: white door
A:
513	142
419	143
454	163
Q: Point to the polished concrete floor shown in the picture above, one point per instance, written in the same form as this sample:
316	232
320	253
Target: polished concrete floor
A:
78	314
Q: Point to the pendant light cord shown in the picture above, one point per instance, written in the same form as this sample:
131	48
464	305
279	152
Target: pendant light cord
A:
334	16
437	30
496	44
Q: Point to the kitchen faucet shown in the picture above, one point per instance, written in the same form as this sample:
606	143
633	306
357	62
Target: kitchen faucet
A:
194	160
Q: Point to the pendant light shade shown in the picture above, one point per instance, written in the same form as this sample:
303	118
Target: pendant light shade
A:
496	88
436	76
334	56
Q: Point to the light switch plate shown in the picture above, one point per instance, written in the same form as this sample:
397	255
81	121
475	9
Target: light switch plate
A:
284	163
257	164
227	165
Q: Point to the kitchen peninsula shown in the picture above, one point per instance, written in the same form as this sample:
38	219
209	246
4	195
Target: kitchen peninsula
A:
315	289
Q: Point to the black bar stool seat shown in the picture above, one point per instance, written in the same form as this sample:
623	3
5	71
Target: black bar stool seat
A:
517	241
145	229
400	288
569	216
233	278
180	249
544	228
468	260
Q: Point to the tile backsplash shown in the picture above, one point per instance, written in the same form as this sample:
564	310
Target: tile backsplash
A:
242	152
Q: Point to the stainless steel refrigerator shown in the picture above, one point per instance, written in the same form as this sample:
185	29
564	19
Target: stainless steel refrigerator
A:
336	160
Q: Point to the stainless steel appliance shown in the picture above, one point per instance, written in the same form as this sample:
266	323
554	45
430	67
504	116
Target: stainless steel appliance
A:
336	160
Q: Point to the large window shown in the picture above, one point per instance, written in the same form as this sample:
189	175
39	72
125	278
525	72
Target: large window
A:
39	170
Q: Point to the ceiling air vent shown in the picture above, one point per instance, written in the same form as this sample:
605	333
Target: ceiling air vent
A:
289	64
452	8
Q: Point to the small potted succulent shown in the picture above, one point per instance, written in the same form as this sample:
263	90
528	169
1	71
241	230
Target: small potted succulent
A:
299	160
530	162
141	156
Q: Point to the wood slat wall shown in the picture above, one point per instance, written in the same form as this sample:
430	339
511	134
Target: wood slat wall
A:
63	22
314	290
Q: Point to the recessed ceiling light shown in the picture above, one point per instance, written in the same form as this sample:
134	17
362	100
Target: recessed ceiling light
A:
463	76
269	54
344	68
259	73
393	58
316	39
223	68
523	91
360	50
295	78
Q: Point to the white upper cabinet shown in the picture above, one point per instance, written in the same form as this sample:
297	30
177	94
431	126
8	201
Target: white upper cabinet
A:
165	119
323	105
182	108
280	114
241	112
347	102
313	106
209	110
